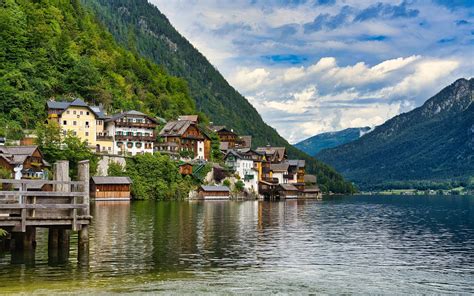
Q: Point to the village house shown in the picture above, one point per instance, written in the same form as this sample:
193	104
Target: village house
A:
184	139
110	188
133	133
273	154
244	166
229	139
213	192
24	162
311	189
84	121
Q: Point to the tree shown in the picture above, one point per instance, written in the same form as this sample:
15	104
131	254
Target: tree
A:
239	186
115	169
69	147
226	183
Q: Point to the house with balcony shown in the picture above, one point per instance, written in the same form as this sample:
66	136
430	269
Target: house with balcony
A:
24	162
273	154
243	164
132	132
183	139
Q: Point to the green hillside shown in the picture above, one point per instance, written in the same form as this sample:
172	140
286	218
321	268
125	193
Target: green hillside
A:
54	48
433	144
142	28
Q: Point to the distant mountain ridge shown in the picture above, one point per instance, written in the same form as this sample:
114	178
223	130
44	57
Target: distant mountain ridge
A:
434	142
315	144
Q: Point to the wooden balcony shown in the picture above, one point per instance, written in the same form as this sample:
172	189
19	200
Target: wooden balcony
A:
135	124
104	138
135	138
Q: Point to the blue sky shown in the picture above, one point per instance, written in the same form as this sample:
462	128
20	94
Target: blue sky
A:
312	66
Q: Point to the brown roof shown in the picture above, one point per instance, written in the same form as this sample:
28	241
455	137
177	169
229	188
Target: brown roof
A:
193	118
18	154
175	128
279	167
278	152
288	187
247	141
310	179
111	180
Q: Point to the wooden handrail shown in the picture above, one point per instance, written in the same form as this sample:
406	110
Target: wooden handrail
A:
41	193
36	182
42	206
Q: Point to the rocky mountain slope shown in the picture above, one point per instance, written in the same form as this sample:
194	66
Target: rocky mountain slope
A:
432	143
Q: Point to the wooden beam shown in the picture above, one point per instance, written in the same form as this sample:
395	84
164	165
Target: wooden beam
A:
39	182
41	193
42	206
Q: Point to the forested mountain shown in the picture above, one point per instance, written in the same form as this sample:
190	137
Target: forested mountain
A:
433	143
313	145
55	48
142	28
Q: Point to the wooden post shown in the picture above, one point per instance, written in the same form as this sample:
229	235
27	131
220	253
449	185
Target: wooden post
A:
61	173
63	245
83	242
83	175
83	246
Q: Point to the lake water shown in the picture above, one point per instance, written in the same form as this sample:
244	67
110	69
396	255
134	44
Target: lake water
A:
361	244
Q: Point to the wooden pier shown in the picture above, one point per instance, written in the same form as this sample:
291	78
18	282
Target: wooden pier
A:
24	206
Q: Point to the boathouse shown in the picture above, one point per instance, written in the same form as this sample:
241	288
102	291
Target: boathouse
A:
287	191
213	192
110	188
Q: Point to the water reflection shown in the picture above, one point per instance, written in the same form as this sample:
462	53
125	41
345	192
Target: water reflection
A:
339	245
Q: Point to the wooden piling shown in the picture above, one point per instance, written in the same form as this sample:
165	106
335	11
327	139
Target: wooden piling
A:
83	241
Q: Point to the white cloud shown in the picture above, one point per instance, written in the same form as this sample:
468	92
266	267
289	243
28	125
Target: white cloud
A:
356	74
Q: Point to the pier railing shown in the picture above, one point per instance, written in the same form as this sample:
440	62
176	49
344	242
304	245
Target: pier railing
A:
20	207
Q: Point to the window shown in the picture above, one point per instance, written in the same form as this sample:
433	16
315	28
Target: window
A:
74	123
110	148
81	113
74	133
74	112
87	113
119	144
87	134
65	122
138	145
87	124
64	133
130	144
68	112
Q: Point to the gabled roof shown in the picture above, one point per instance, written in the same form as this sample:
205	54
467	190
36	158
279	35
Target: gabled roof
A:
310	179
288	187
97	110
175	128
215	188
18	154
111	180
220	128
299	163
278	152
131	114
193	118
247	141
234	153
279	167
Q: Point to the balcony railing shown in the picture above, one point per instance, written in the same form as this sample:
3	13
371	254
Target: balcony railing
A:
134	138
135	124
105	138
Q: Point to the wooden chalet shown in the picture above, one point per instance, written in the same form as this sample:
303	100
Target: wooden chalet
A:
213	192
184	136
25	162
110	188
273	154
186	169
225	135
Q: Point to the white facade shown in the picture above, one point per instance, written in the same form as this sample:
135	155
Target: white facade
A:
279	176
200	150
132	146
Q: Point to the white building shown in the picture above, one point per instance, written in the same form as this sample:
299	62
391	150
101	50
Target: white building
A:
133	133
243	165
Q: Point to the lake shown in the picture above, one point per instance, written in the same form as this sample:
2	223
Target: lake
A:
360	245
